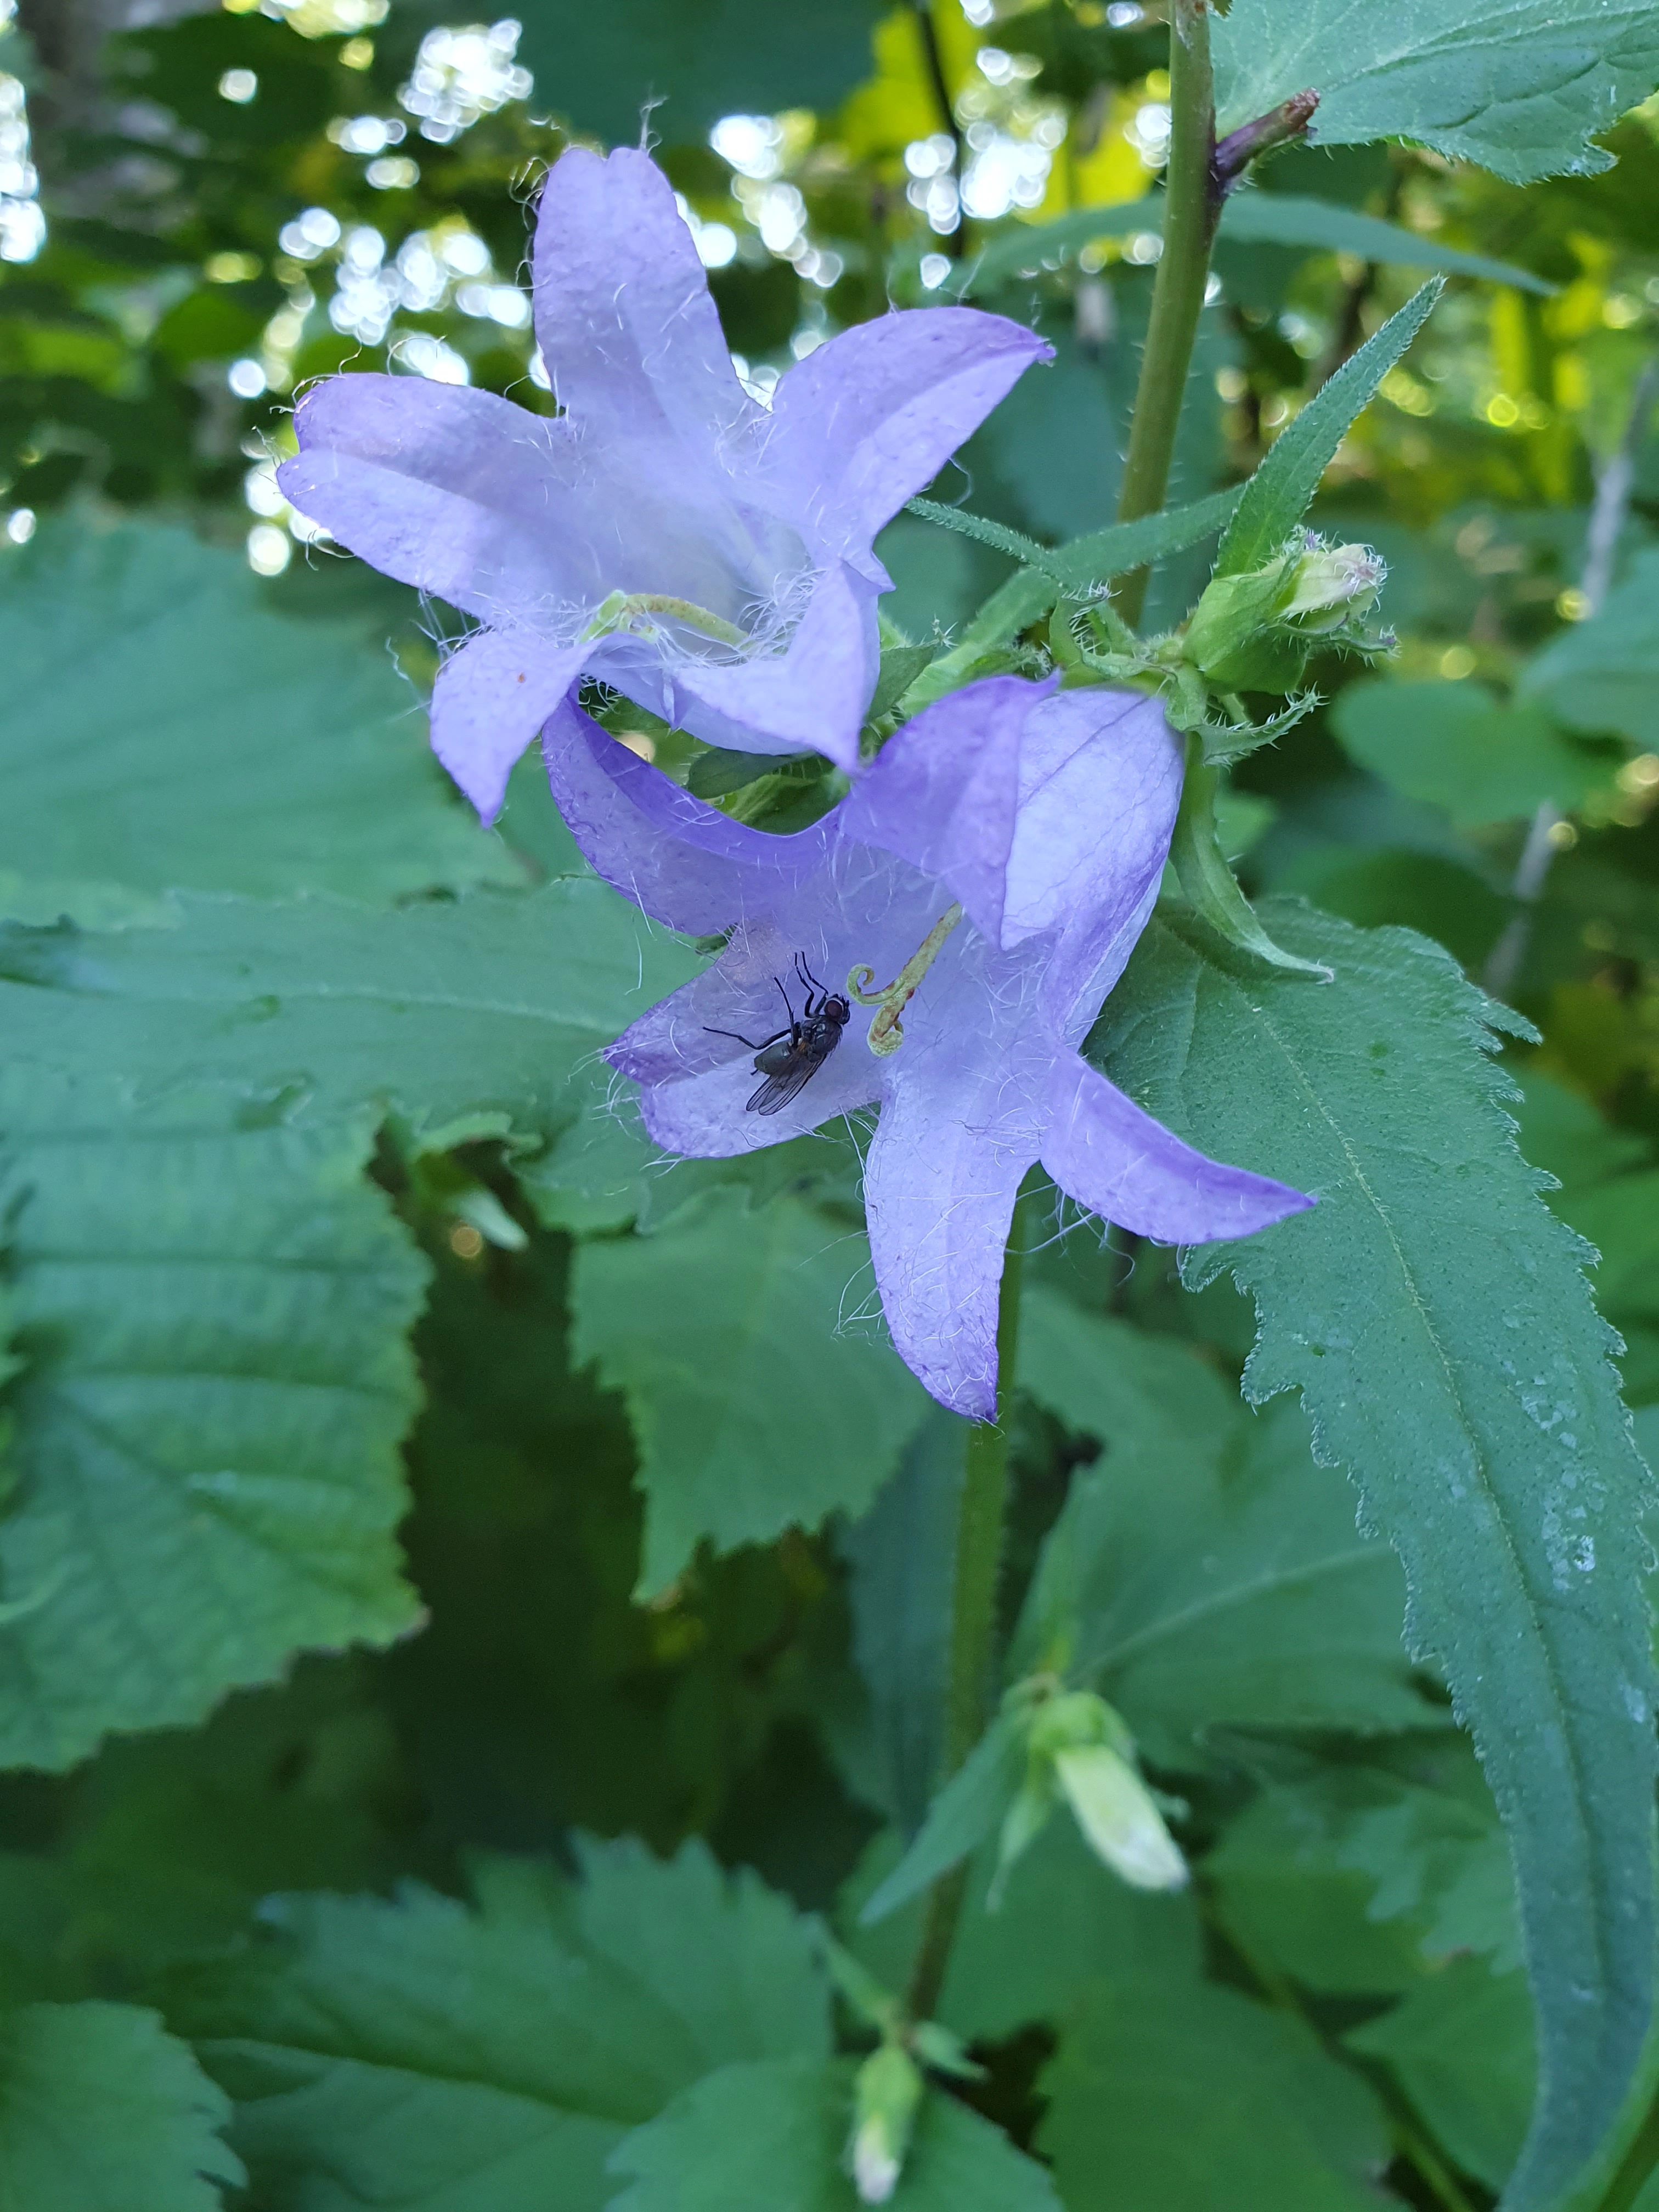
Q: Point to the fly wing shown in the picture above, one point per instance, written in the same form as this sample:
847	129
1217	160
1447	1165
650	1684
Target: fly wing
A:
775	1094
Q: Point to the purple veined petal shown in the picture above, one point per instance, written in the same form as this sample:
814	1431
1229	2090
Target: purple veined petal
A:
873	416
1100	775
811	697
1111	1157
490	699
682	862
944	793
961	1120
626	327
455	491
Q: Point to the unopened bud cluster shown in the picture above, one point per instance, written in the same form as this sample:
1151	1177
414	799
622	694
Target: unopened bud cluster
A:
1253	632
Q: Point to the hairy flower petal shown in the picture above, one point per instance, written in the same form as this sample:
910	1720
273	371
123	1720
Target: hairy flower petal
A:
488	703
714	562
1115	1159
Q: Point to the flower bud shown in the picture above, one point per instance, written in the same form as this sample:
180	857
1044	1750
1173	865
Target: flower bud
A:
1332	584
1115	1812
885	2097
1253	632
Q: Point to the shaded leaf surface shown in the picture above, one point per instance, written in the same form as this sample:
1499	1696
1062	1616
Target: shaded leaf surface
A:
754	1409
1461	2047
1163	2085
1206	1572
772	2138
1434	1317
163	724
1454	745
422	2054
212	1308
1519	86
1603	674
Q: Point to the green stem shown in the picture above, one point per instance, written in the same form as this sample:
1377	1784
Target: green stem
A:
1193	207
972	1614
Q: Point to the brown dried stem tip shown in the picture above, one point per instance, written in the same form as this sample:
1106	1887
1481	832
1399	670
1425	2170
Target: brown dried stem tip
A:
1277	127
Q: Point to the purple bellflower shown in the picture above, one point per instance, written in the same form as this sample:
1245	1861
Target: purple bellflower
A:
971	902
710	558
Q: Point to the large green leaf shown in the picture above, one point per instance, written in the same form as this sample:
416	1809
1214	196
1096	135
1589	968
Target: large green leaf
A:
163	724
474	1013
772	2138
1603	674
1206	1573
754	1407
1163	2085
101	2111
212	1306
1519	86
1454	745
1435	1319
423	2055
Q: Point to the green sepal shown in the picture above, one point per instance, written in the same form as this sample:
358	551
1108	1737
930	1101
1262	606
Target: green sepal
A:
1207	880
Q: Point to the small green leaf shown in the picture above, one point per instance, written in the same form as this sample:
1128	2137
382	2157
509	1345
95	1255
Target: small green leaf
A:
101	2111
1162	2084
1519	86
1460	2046
1255	218
754	1408
1603	673
901	664
400	2053
163	725
1431	1274
996	535
1454	745
714	772
1282	490
965	1811
213	1308
772	2138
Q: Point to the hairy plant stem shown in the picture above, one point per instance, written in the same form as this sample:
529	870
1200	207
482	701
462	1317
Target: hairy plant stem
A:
973	1613
1193	207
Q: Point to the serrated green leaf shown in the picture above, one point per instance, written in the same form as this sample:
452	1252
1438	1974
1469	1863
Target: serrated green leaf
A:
1206	1573
1603	673
772	2138
965	1811
1456	746
1282	490
1460	2046
419	2054
1519	86
163	725
1251	218
1430	1275
1164	2084
443	1012
755	1408
102	2112
212	1306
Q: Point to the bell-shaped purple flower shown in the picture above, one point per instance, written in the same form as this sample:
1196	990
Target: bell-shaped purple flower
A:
664	532
970	905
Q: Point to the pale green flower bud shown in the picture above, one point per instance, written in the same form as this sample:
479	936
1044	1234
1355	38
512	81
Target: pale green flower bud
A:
1115	1812
1332	584
885	2097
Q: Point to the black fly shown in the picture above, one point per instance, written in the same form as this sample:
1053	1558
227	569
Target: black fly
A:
791	1057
